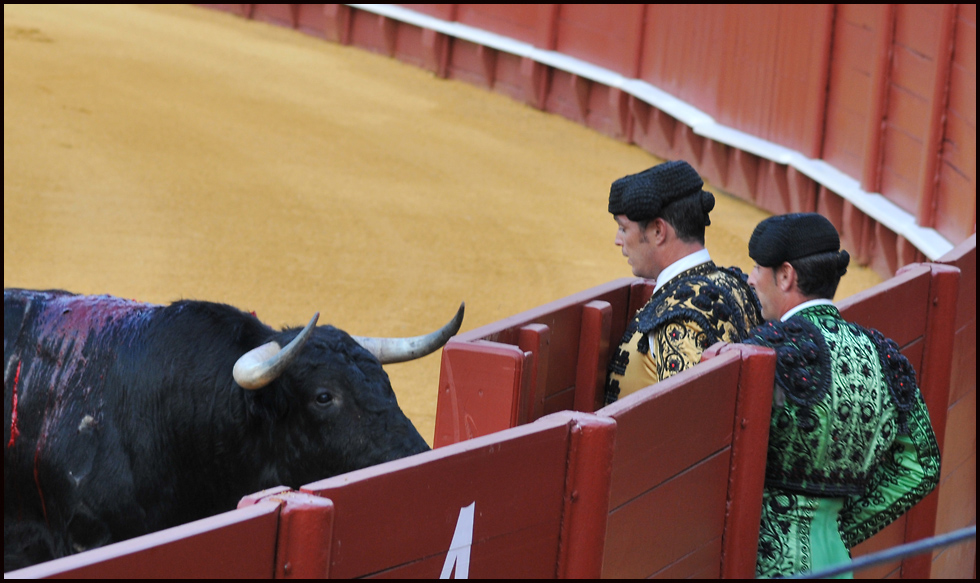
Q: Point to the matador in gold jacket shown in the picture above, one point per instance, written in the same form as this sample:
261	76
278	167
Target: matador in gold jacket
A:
662	213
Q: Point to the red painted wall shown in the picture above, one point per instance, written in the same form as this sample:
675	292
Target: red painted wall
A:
885	93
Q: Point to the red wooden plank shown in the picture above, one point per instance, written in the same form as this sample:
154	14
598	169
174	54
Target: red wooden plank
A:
900	162
305	533
939	343
906	294
957	495
530	23
365	31
441	11
917	27
956	562
891	536
507	76
909	102
747	471
337	22
963	377
236	544
914	351
311	19
472	63
608	35
802	69
410	47
942	60
480	386
671	426
955	200
964	257
616	292
559	351
669	522
515	478
587	494
487	556
701	563
563	401
278	14
534	339
593	354
934	376
681	52
609	112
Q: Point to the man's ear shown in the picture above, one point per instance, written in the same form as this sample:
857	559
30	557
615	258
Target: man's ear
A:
657	230
786	277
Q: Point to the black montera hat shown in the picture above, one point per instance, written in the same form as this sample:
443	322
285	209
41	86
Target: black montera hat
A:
642	196
789	237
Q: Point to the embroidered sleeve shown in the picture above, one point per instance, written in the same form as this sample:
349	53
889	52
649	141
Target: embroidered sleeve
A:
908	473
676	346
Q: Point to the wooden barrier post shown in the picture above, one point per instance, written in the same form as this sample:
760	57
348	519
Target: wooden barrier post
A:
584	517
934	378
304	535
750	439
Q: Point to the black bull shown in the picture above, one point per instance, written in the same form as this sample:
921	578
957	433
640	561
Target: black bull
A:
122	418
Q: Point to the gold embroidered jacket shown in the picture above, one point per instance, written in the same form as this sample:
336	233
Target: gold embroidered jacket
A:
692	311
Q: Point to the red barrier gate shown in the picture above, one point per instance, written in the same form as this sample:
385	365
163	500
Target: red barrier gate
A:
665	482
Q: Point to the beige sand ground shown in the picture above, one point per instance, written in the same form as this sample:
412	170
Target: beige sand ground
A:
160	153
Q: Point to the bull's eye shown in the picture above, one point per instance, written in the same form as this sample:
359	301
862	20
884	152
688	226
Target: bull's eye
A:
324	398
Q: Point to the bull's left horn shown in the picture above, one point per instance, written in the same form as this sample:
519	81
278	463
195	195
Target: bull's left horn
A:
260	366
391	350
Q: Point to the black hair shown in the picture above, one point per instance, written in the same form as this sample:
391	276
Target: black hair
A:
818	275
689	216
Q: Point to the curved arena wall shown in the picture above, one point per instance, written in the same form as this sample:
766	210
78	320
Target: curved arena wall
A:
864	113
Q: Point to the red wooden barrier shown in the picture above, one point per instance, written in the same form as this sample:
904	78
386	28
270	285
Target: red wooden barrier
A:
528	502
674	471
304	532
236	544
958	483
687	473
926	298
679	493
548	359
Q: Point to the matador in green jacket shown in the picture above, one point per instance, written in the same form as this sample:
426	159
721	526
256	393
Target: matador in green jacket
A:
851	446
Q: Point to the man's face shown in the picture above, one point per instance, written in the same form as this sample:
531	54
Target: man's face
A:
763	281
639	249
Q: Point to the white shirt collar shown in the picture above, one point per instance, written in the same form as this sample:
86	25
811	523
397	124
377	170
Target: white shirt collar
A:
805	305
681	265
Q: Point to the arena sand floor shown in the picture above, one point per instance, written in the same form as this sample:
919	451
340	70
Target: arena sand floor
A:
168	152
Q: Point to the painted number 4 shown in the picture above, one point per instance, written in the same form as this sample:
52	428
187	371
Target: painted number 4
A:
459	549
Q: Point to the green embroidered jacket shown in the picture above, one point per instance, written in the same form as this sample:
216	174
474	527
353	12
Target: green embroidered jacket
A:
848	420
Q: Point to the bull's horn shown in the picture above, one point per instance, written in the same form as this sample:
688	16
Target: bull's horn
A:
391	350
260	366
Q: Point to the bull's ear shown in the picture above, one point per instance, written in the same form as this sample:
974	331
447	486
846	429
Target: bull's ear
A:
260	366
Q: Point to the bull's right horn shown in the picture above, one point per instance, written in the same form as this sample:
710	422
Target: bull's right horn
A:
391	350
260	366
